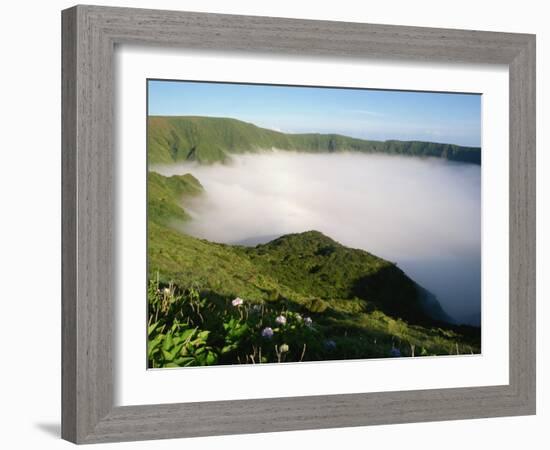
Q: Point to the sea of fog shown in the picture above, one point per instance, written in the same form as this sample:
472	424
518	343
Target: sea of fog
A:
422	213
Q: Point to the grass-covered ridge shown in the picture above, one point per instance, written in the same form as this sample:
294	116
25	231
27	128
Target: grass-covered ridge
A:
301	297
212	139
164	196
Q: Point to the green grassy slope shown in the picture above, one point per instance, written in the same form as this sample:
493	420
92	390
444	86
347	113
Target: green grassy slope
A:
307	268
361	304
320	268
212	139
164	195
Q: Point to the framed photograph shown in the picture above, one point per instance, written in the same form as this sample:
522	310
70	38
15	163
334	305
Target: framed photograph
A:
278	224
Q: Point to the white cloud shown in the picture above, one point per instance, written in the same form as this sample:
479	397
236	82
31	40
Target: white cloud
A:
423	214
366	112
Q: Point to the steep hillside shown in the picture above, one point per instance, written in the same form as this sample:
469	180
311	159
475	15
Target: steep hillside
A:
211	139
307	268
165	194
314	265
318	298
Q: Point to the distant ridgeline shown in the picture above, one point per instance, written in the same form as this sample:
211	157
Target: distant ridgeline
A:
212	139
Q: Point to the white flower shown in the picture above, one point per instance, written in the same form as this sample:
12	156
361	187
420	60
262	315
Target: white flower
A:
166	291
267	332
308	321
237	301
284	348
281	320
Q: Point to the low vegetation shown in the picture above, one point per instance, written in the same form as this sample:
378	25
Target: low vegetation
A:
301	297
195	327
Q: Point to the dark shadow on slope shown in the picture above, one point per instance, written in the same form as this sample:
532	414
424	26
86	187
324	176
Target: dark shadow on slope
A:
395	294
432	307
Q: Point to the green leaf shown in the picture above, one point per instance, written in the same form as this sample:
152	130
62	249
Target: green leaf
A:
187	334
151	328
168	342
176	350
228	348
203	335
153	344
182	361
167	355
238	332
151	353
211	358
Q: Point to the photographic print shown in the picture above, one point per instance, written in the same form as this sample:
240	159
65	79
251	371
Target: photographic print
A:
290	224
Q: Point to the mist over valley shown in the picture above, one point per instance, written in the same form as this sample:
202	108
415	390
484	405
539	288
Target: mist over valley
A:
421	213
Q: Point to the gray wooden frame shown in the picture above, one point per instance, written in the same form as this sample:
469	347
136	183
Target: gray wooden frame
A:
89	36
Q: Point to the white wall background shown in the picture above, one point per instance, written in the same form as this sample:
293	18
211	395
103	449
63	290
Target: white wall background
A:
30	235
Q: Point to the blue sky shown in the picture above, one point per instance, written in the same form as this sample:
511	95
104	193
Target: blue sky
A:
362	113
